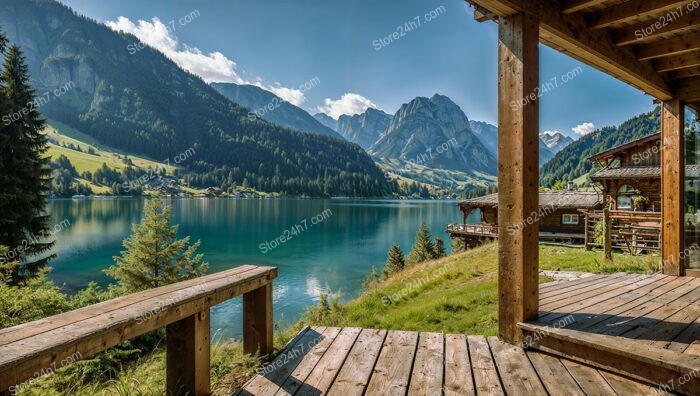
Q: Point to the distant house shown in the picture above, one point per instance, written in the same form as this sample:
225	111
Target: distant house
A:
212	191
559	217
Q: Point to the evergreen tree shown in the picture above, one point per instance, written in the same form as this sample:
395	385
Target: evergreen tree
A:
26	176
395	261
154	256
422	249
439	248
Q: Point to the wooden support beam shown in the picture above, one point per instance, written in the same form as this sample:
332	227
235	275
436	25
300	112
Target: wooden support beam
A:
684	73
672	183
677	62
673	46
630	11
671	22
498	7
257	321
571	6
187	356
570	34
518	152
481	14
689	90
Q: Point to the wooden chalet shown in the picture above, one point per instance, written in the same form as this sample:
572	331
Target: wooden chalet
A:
559	217
614	334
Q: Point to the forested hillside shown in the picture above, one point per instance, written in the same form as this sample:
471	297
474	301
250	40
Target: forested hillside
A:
572	162
144	104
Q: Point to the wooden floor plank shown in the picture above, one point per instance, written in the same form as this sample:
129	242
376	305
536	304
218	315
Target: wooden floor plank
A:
553	302
486	378
589	379
554	375
625	386
325	371
458	371
277	371
517	373
306	366
357	369
662	334
693	349
578	289
392	372
563	283
427	373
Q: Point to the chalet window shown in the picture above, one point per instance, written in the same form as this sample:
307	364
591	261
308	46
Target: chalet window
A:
569	219
624	197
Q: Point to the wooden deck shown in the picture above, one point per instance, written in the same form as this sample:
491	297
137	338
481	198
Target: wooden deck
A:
354	361
646	326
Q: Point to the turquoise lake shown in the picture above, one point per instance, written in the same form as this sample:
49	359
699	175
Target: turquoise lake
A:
337	253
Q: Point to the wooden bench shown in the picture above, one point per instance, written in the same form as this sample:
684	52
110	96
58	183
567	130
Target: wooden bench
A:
32	349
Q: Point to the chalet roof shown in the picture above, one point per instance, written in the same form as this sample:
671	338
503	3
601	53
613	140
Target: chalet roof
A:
640	172
625	147
556	199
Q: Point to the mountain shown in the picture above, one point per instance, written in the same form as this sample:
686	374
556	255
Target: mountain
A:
364	129
487	133
572	163
272	108
434	132
144	104
327	121
556	142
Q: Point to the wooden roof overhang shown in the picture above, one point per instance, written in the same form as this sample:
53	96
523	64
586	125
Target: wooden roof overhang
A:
653	45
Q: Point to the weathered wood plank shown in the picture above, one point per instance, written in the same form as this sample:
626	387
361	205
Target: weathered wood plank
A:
516	372
486	378
625	386
632	11
393	369
296	379
589	379
427	376
279	369
357	369
458	370
325	371
554	375
518	170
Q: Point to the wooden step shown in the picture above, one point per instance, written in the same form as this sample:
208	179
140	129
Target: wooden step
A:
670	370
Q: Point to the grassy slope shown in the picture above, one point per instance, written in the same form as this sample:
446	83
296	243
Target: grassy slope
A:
441	178
460	296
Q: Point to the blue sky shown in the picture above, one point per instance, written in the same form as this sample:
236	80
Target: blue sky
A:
282	44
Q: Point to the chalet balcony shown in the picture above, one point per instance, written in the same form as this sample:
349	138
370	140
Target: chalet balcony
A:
473	230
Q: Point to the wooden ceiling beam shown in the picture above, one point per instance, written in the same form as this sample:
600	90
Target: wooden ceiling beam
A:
571	6
677	62
632	10
481	14
686	43
570	34
689	90
497	7
684	73
671	22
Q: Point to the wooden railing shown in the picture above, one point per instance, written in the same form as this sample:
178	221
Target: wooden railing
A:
635	232
32	349
473	229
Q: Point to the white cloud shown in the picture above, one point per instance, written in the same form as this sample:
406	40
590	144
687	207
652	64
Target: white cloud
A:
584	129
215	67
348	104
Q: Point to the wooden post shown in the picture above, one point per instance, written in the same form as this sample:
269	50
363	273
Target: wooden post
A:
257	321
518	156
187	356
607	235
586	233
672	186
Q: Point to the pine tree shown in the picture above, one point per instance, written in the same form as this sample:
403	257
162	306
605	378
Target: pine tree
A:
26	177
395	261
422	249
154	256
439	248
